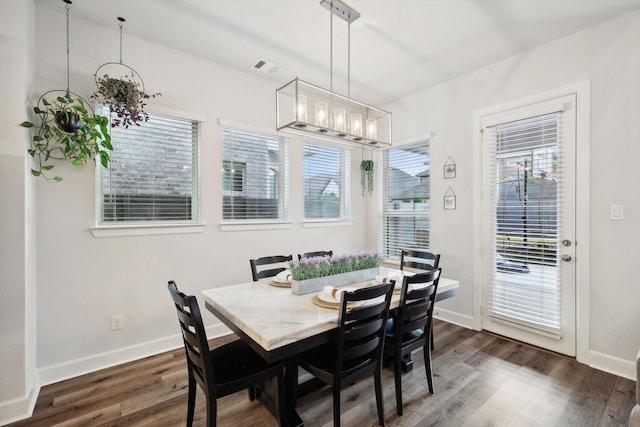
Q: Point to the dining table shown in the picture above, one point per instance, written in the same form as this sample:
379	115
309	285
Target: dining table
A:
279	324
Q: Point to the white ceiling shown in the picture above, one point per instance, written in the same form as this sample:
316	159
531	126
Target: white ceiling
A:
397	46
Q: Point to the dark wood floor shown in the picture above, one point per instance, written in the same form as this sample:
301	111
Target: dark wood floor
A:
480	380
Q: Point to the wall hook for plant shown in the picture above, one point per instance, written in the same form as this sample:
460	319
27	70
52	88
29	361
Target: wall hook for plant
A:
122	20
56	93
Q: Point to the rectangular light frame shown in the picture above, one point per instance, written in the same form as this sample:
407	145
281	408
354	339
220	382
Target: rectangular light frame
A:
298	107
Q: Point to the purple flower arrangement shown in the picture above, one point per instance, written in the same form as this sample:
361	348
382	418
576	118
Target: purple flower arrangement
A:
310	268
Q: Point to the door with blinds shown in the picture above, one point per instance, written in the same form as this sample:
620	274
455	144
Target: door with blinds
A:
529	282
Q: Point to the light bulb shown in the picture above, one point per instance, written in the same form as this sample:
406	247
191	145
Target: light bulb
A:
338	119
321	114
372	129
302	108
356	124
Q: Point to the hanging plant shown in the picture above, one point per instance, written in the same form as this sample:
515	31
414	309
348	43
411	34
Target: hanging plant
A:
125	95
125	99
67	131
366	175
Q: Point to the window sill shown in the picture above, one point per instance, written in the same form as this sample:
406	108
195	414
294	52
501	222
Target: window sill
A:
327	223
390	263
145	229
251	226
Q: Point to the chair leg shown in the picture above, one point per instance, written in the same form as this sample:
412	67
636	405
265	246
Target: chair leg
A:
336	404
397	363
191	400
433	346
212	411
379	398
252	393
427	366
282	418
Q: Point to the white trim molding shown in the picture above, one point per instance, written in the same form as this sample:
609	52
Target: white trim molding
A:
81	366
453	317
20	408
145	230
612	364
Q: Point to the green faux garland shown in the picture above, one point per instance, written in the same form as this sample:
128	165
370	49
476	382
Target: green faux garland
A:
366	175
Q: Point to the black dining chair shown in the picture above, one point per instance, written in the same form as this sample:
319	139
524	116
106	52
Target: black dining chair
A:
422	260
224	370
357	349
268	272
410	328
419	259
314	254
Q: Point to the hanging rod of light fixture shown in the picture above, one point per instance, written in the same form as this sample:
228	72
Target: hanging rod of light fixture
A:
309	110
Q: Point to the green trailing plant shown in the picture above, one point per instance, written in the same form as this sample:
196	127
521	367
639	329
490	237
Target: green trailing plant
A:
125	99
67	131
310	268
366	176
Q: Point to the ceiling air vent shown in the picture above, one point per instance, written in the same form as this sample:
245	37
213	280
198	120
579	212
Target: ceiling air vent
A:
267	67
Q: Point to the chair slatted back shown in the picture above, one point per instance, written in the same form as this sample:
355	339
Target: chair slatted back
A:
269	272
314	254
361	327
417	299
419	259
194	337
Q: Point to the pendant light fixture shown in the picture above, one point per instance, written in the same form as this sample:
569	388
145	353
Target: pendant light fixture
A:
303	108
122	88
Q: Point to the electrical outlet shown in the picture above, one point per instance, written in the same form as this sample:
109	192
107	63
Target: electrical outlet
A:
117	322
616	212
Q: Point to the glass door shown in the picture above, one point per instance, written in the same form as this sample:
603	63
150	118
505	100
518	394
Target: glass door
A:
529	224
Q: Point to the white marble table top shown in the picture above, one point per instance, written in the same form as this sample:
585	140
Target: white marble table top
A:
274	317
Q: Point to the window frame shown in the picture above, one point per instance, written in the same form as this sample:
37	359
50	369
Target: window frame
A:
345	179
384	212
282	180
103	228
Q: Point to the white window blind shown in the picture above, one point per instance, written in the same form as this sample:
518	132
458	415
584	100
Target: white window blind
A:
525	287
254	176
405	210
326	174
154	172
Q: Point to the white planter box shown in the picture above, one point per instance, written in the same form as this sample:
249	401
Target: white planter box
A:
300	287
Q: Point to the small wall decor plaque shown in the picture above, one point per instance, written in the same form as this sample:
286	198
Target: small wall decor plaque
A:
449	199
449	168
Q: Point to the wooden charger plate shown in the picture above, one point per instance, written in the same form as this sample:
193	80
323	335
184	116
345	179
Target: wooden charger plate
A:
322	303
336	305
280	284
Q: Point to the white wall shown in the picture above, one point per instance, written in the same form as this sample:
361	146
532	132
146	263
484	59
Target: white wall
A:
84	280
18	374
608	55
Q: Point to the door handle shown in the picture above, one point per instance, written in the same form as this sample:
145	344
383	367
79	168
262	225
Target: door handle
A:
566	258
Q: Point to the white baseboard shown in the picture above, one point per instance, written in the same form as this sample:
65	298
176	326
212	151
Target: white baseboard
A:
597	360
74	368
18	409
613	365
453	317
21	408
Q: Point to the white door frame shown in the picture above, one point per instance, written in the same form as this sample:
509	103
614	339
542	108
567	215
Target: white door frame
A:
582	248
